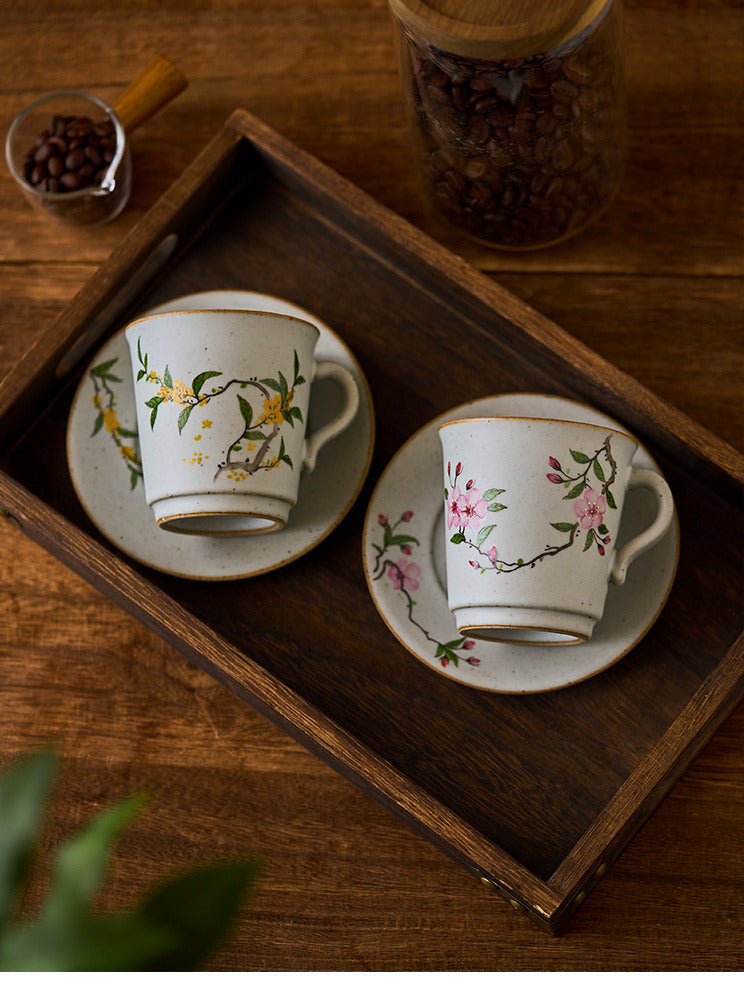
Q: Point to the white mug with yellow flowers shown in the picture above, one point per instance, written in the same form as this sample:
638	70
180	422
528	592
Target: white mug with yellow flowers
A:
222	401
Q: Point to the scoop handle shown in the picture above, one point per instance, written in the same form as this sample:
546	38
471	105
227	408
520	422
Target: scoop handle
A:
155	86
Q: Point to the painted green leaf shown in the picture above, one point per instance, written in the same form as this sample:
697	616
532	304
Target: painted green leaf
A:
200	380
133	479
496	507
254	436
610	500
283	387
563	526
184	416
272	384
167	378
246	412
576	491
98	424
579	457
402	539
484	533
492	494
598	471
590	539
457	538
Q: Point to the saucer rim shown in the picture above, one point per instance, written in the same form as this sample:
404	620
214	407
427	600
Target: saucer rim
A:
334	520
432	426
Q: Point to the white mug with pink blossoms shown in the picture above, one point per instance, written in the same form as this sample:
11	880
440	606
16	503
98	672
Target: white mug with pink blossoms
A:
532	512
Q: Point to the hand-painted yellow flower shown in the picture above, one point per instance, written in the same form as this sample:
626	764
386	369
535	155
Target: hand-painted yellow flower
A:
110	420
272	410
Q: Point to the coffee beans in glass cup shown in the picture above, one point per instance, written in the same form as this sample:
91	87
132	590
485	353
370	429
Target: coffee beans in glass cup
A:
69	154
521	138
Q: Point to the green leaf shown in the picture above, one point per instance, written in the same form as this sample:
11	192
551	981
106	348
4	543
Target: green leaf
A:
296	413
98	424
199	381
492	494
457	538
496	507
402	539
126	433
603	529
272	384
246	411
576	491
133	479
153	402
24	794
141	374
82	862
563	526
579	457
254	436
167	378
296	367
484	533
139	353
283	387
610	500
598	471
184	416
590	539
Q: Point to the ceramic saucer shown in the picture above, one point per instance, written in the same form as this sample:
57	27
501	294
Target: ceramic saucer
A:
404	527
104	462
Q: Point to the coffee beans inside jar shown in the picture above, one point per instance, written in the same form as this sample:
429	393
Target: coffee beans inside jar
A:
72	153
519	152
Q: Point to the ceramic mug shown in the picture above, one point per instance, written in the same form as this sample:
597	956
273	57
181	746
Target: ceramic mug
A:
222	400
532	513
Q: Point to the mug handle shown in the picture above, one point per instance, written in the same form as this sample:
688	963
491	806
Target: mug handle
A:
655	482
350	404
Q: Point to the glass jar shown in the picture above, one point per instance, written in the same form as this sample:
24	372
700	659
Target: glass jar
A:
518	112
42	123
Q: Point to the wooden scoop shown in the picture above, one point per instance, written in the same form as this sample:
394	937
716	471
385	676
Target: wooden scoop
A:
155	86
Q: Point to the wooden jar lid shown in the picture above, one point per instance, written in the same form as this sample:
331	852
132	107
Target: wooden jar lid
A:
496	29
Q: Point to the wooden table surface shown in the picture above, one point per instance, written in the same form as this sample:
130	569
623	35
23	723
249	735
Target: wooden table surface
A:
655	286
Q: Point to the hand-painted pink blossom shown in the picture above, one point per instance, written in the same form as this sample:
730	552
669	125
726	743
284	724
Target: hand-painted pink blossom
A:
492	554
473	508
554	463
381	519
406	515
474	661
590	508
444	661
454	503
467	645
553	477
404	575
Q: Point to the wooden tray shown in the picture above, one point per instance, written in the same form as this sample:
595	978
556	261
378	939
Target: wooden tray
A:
535	794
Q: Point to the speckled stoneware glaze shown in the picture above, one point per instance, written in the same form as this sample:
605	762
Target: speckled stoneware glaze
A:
532	515
222	399
404	546
106	469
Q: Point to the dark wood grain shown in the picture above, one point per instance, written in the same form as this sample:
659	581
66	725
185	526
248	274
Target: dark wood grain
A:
655	287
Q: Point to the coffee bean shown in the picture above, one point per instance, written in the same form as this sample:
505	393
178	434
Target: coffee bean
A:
71	154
